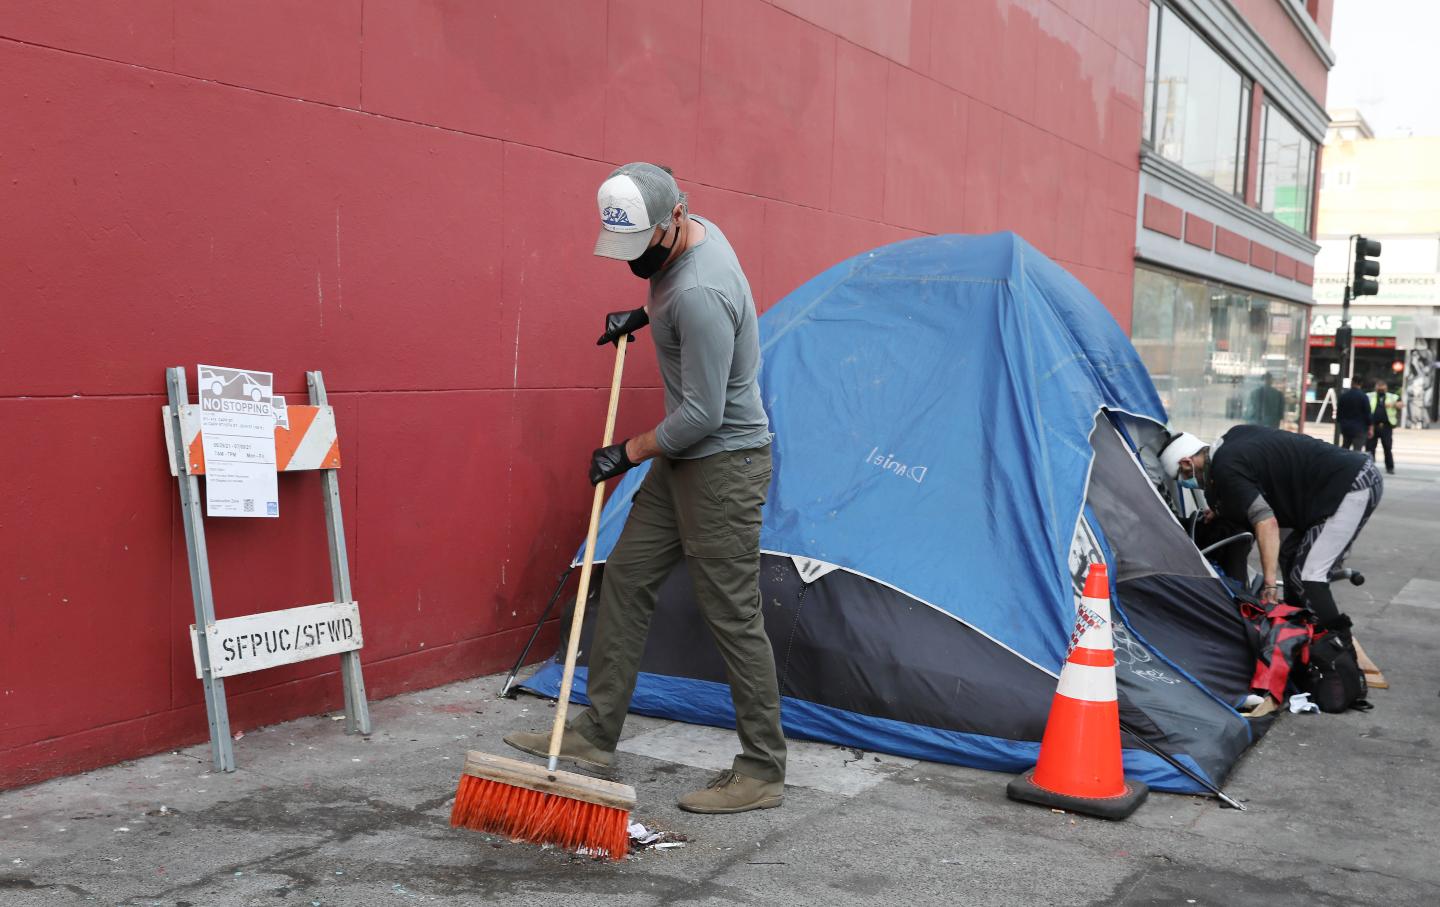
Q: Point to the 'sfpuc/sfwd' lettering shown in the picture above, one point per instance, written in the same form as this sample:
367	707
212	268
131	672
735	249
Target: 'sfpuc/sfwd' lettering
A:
271	642
888	463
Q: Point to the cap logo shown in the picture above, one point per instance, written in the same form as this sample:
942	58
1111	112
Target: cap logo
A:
616	217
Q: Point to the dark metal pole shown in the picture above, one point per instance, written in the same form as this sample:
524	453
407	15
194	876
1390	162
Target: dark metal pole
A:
540	622
1185	769
1343	341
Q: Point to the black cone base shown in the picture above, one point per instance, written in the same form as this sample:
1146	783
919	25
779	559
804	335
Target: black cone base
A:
1024	788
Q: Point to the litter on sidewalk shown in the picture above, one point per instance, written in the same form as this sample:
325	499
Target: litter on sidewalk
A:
642	838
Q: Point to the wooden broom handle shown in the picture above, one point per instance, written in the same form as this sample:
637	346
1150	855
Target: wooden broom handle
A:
572	646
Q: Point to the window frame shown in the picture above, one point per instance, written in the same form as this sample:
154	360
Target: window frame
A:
1242	151
1307	210
1162	10
1152	72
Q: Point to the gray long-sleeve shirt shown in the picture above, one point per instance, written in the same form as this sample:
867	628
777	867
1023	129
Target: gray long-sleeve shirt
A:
707	340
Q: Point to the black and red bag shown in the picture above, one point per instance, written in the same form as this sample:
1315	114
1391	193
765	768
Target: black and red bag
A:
1280	635
1331	672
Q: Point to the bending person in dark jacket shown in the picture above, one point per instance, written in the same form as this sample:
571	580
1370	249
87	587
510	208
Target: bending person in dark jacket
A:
1278	479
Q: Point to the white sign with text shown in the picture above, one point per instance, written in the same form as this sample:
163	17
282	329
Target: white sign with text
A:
237	423
239	645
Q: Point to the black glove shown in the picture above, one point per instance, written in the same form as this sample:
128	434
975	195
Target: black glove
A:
609	462
618	324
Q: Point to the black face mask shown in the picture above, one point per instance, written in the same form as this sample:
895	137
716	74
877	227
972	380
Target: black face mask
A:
653	259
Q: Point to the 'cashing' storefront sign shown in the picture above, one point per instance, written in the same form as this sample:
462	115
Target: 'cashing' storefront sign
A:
1363	325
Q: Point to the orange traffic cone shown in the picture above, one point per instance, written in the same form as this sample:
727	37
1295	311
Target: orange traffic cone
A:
1080	768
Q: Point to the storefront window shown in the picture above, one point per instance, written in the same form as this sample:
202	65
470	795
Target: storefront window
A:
1218	355
1196	103
1287	162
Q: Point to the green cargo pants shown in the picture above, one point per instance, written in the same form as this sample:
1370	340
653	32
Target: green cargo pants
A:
707	511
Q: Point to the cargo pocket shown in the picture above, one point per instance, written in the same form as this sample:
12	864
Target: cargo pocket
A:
711	526
728	545
754	469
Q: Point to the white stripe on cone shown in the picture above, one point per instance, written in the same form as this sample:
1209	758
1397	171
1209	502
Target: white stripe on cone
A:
1097	637
1087	683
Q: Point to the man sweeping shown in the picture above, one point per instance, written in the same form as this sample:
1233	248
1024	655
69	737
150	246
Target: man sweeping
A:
701	500
1273	479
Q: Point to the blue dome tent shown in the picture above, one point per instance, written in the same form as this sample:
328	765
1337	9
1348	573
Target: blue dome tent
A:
960	431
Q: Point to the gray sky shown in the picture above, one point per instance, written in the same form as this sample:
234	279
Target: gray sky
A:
1387	63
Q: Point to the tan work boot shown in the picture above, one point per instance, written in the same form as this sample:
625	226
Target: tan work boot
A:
732	792
573	746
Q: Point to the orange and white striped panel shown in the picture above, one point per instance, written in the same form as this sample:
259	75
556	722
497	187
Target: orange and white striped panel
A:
311	441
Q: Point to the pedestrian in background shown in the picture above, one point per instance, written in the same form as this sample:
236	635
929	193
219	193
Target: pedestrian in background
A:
1384	416
1352	411
1267	404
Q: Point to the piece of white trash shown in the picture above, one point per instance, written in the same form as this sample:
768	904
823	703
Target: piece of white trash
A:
1300	704
642	836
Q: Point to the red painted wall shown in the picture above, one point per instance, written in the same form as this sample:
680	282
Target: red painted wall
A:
1273	23
1325	16
401	193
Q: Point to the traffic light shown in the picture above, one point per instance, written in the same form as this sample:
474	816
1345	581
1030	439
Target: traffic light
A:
1366	267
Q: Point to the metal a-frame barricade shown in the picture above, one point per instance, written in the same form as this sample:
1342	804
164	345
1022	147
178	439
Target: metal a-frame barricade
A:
183	437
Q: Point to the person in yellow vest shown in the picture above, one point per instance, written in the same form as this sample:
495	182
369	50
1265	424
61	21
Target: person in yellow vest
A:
1384	416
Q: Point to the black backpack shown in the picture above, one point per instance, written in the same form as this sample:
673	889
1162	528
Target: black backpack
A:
1331	673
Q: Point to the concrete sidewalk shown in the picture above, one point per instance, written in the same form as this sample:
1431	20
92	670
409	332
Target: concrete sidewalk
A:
1411	447
1341	808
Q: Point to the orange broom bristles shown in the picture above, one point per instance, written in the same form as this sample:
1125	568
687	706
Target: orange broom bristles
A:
546	806
541	818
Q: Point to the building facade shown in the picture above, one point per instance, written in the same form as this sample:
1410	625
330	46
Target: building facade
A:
401	193
1233	119
1386	189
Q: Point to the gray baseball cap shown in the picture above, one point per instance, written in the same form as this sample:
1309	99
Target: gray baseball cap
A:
633	200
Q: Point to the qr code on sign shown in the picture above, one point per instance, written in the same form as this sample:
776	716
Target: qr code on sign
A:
249	505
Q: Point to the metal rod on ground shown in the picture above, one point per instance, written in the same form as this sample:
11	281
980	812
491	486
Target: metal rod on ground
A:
520	662
1189	772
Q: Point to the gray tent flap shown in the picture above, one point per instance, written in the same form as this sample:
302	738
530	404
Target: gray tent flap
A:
1142	532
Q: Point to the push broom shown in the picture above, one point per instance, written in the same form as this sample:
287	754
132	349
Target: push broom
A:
544	805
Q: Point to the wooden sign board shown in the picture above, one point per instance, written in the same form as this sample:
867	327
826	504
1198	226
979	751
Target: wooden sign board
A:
239	645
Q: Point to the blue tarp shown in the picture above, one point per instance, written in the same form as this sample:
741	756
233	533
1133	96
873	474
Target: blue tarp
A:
932	402
709	703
